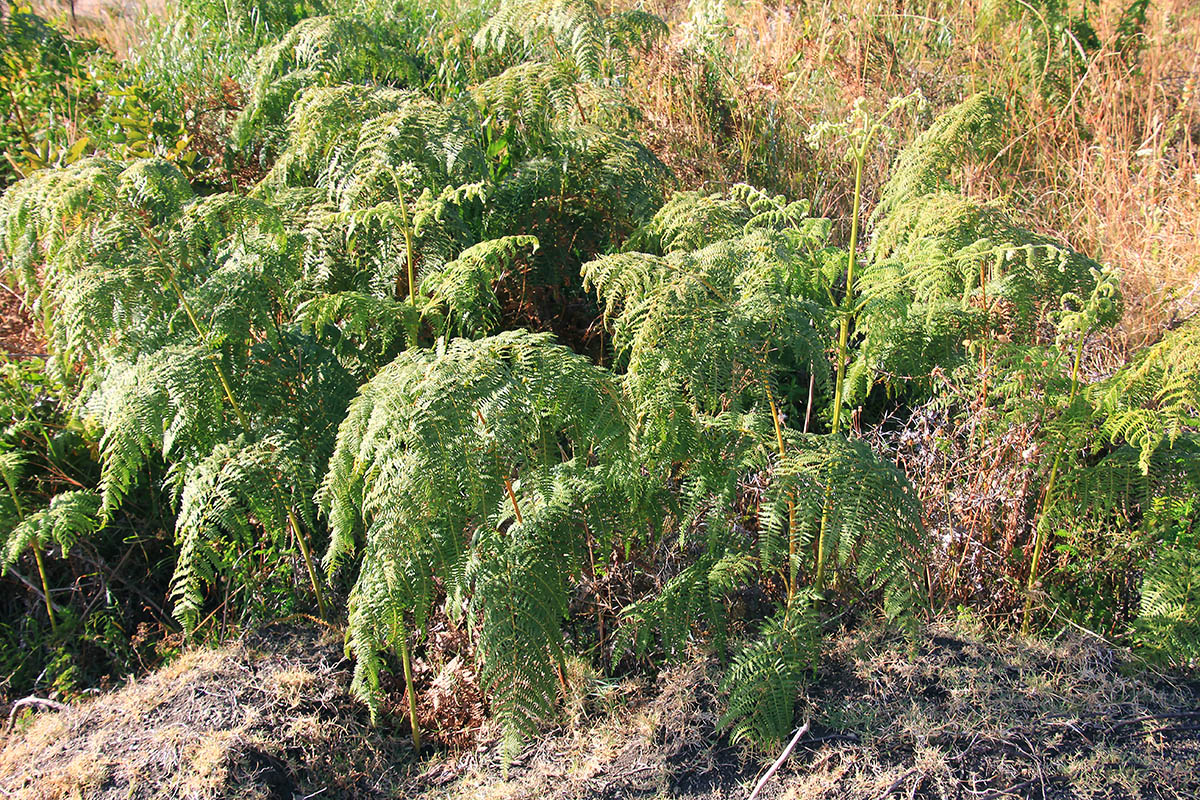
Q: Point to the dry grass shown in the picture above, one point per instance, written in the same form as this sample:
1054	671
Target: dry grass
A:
1110	164
964	716
264	718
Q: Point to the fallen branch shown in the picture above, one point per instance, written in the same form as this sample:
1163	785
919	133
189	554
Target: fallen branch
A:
31	701
803	729
896	784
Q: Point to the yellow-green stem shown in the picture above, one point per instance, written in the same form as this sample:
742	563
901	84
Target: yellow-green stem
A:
843	337
308	562
37	555
406	661
1040	542
408	251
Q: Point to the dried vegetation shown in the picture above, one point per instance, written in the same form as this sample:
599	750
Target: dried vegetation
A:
969	717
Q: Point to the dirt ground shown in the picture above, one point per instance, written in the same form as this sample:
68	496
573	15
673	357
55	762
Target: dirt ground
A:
18	336
962	717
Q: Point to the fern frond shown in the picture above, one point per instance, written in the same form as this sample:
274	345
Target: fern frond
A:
464	286
69	517
763	680
440	452
318	51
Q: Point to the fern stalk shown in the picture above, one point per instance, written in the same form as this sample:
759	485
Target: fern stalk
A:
308	561
859	155
1040	542
41	565
37	553
410	687
508	487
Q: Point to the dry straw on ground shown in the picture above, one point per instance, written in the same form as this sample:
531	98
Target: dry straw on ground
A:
963	717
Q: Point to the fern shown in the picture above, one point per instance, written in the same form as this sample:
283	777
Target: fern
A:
706	331
478	454
1157	397
1169	611
763	678
69	517
464	286
705	335
944	269
316	52
599	47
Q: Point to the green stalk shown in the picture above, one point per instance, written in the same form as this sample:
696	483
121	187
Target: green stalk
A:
308	561
408	250
843	337
37	555
1040	543
41	565
406	660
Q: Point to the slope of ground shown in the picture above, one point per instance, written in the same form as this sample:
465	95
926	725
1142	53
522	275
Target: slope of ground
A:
964	717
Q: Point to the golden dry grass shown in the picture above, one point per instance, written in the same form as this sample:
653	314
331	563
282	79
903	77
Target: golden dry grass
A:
1111	164
962	715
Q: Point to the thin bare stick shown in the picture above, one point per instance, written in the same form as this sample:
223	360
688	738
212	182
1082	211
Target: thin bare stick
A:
31	701
787	751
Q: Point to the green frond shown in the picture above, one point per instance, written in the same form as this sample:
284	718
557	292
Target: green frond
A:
430	461
944	270
226	499
319	51
69	517
364	330
464	286
1169	614
709	331
872	517
169	402
1156	398
764	679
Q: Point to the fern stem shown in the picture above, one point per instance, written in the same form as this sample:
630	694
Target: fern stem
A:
408	249
792	565
851	257
860	156
1040	542
37	554
308	561
12	491
41	565
410	687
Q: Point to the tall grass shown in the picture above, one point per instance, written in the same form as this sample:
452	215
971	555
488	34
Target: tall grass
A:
1105	152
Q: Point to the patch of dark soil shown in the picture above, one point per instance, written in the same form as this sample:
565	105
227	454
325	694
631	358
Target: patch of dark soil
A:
19	336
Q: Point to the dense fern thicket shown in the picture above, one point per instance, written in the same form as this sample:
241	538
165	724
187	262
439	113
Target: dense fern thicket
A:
442	340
